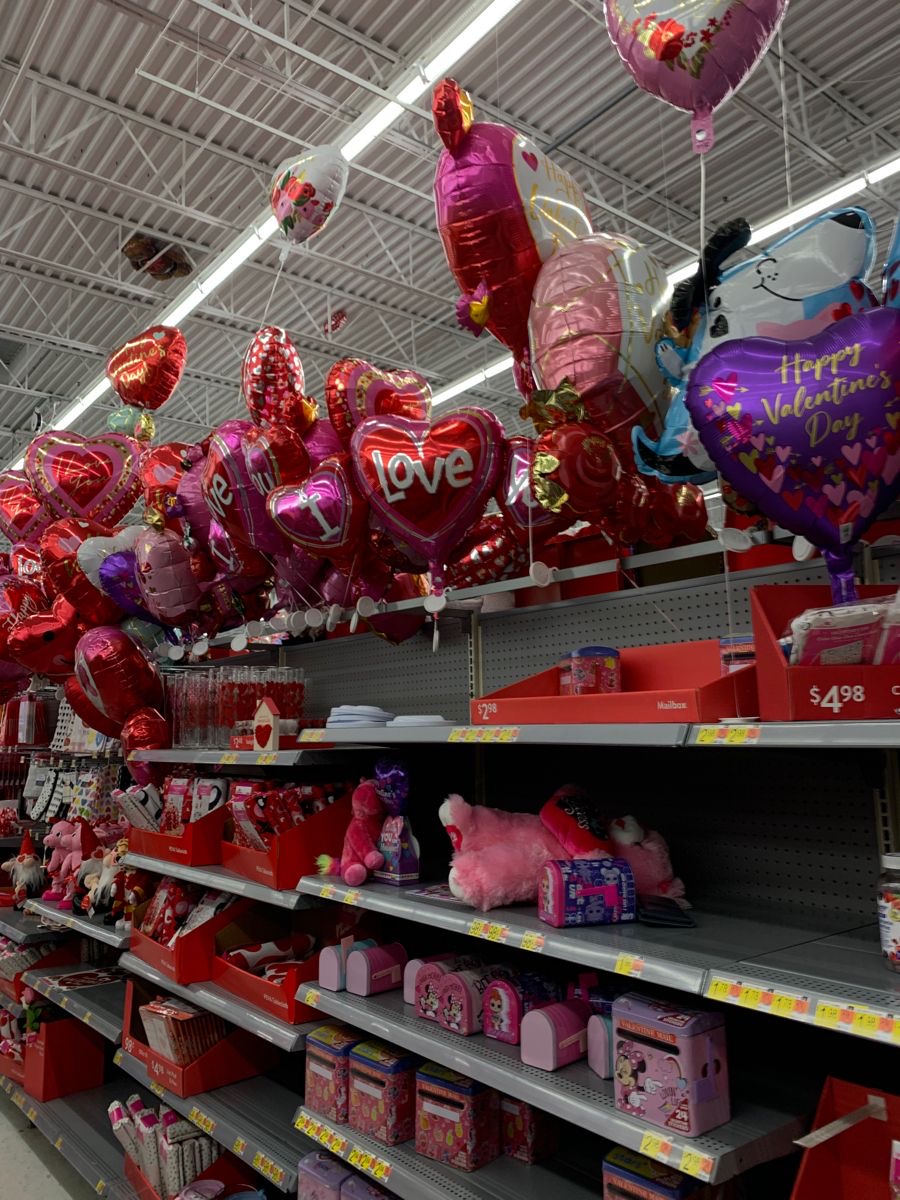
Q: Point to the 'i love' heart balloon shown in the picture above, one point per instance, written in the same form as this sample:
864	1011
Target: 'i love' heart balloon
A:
809	431
271	375
355	389
23	517
516	497
116	675
693	53
94	478
325	514
428	484
274	457
146	370
230	494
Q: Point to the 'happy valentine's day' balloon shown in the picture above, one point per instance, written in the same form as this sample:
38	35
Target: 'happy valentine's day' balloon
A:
809	430
116	675
693	53
146	370
306	191
94	478
355	389
271	375
23	517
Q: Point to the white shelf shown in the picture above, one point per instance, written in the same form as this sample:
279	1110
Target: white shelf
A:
219	877
754	1135
68	919
25	928
100	1005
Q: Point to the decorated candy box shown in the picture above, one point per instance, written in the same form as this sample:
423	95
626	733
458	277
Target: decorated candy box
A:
628	1174
526	1133
457	1119
328	1070
506	1001
411	971
320	1176
383	1092
586	892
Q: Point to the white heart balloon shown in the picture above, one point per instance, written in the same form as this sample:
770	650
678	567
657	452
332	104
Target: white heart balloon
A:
95	550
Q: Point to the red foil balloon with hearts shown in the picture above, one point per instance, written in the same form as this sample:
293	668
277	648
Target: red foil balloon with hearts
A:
230	493
62	576
94	478
89	713
271	376
517	500
146	729
45	642
19	599
161	470
147	369
116	675
23	515
490	552
355	389
428	484
325	514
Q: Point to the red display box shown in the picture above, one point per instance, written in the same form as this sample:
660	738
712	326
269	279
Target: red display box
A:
294	852
678	683
67	952
276	999
199	846
190	959
65	1057
226	1169
237	1056
819	693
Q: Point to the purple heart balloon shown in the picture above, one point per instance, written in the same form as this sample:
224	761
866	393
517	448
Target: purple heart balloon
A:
118	579
230	494
809	431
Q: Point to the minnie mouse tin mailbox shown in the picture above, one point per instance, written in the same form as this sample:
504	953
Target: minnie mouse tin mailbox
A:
670	1065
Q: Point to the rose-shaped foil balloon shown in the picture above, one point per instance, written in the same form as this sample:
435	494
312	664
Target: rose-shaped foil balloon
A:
517	500
693	53
271	376
94	478
274	457
809	431
230	494
307	190
62	576
25	560
162	468
91	715
502	208
23	516
19	599
575	471
146	729
325	514
164	575
45	642
116	675
355	389
146	370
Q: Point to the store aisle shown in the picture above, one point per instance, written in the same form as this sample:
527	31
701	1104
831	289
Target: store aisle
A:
26	1157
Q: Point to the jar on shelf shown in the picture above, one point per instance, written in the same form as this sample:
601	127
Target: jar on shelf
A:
889	909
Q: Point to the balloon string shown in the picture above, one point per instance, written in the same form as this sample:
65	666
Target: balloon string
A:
282	258
784	123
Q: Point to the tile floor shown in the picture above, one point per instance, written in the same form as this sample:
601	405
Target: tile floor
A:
26	1157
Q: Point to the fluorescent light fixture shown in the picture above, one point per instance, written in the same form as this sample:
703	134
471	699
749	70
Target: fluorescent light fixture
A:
18	464
885	171
462	385
68	418
765	233
372	129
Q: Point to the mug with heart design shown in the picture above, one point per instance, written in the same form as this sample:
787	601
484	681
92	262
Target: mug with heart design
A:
355	389
95	478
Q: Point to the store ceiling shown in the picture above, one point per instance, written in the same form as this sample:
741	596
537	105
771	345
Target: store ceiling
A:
168	117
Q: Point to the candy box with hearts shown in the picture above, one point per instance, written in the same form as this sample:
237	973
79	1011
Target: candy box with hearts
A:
819	693
200	845
457	1119
192	954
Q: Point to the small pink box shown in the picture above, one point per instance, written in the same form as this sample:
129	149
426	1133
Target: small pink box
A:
376	969
671	1066
411	971
328	1070
333	962
460	1008
555	1036
506	1001
383	1092
526	1133
600	1046
457	1119
320	1176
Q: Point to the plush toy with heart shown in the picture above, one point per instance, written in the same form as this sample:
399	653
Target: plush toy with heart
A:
146	370
325	514
355	389
23	516
94	478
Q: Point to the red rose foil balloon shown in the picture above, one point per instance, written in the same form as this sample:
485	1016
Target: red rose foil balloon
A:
575	471
23	515
355	389
95	478
271	375
525	516
146	729
147	369
116	674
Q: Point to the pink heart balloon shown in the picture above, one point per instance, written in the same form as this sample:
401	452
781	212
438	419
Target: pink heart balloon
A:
230	494
93	478
325	514
516	497
164	575
355	389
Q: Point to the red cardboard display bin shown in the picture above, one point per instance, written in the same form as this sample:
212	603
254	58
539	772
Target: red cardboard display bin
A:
836	693
199	846
292	853
276	999
65	1057
239	1055
67	952
190	959
681	682
226	1169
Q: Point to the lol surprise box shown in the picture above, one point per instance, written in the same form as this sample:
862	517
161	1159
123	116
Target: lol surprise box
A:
457	1119
383	1092
328	1070
584	891
671	1067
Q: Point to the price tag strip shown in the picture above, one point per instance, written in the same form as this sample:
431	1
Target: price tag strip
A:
728	735
337	1143
857	1019
629	964
484	734
692	1162
489	930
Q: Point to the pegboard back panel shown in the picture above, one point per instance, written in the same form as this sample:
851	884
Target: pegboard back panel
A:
517	643
408	678
888	568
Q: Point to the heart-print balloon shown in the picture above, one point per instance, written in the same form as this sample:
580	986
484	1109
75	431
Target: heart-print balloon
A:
271	375
19	598
489	552
161	470
230	494
516	497
575	471
693	53
23	516
94	478
91	715
164	575
146	370
809	431
45	642
307	190
63	576
25	560
325	514
115	674
427	484
355	389
275	457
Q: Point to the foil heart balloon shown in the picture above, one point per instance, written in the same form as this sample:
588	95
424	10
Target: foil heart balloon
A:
524	515
230	494
307	190
243	567
45	642
115	674
145	729
427	484
146	370
110	564
19	599
575	471
191	504
89	713
161	470
25	560
355	389
693	53
325	514
275	457
63	576
321	442
165	579
23	516
490	551
808	431
271	375
94	478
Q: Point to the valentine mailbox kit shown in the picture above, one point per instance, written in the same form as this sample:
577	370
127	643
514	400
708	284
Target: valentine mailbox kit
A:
681	682
199	846
817	693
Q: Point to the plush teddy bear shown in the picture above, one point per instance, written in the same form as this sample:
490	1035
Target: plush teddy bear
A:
60	839
498	855
360	853
647	854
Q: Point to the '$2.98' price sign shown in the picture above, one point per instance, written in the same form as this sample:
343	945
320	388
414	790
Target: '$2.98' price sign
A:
837	696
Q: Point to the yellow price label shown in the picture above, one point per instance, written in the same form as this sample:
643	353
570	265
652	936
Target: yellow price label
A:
312	735
707	735
355	1156
337	1143
312	1128
718	989
782	1006
58	1144
488	930
828	1015
696	1164
739	735
750	997
324	1135
381	1170
264	1165
301	1122
327	891
228	758
64	1003
100	1187
629	964
656	1146
311	997
477	927
31	1114
239	1146
157	1088
507	733
866	1024
207	1124
533	941
352	896
497	933
266	759
117	1057
455	735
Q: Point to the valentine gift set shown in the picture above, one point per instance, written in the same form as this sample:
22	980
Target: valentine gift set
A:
587	892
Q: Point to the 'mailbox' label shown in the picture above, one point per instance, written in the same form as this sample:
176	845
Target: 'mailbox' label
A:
671	704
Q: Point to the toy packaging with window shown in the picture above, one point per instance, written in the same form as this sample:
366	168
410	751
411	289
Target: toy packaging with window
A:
383	1092
457	1119
328	1070
586	892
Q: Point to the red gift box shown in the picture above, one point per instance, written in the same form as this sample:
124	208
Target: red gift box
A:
199	846
226	1169
190	959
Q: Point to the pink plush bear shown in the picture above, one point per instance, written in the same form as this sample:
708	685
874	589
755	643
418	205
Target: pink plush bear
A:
60	839
360	854
647	854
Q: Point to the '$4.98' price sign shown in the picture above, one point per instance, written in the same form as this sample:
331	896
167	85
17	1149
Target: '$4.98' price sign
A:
837	696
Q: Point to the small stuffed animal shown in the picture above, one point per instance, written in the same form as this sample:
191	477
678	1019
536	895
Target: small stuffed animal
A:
647	854
60	840
360	853
26	874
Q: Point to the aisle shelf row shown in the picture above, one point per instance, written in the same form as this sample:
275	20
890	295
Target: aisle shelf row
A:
412	1177
68	919
25	928
218	877
754	1135
224	1004
252	1119
222	758
78	1127
100	1005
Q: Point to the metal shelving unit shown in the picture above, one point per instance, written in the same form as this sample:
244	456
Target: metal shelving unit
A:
221	758
528	735
218	877
412	1177
80	924
798	735
100	1005
252	1119
755	1134
24	928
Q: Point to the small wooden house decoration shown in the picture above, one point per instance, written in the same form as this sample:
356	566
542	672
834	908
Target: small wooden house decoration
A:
266	724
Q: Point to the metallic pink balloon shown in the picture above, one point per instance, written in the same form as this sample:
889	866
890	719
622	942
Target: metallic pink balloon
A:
517	500
338	588
164	575
299	571
321	442
192	506
325	514
230	494
115	673
693	53
243	567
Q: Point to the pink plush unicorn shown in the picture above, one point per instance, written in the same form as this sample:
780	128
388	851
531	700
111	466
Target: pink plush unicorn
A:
360	854
647	854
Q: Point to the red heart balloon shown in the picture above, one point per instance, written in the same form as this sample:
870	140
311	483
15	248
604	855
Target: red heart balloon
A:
19	599
82	707
161	470
93	478
146	370
23	517
490	551
355	389
271	376
325	514
146	729
45	642
575	470
63	576
274	457
25	560
116	674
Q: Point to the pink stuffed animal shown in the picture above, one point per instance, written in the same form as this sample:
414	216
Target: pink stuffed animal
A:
647	854
360	854
498	855
60	839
